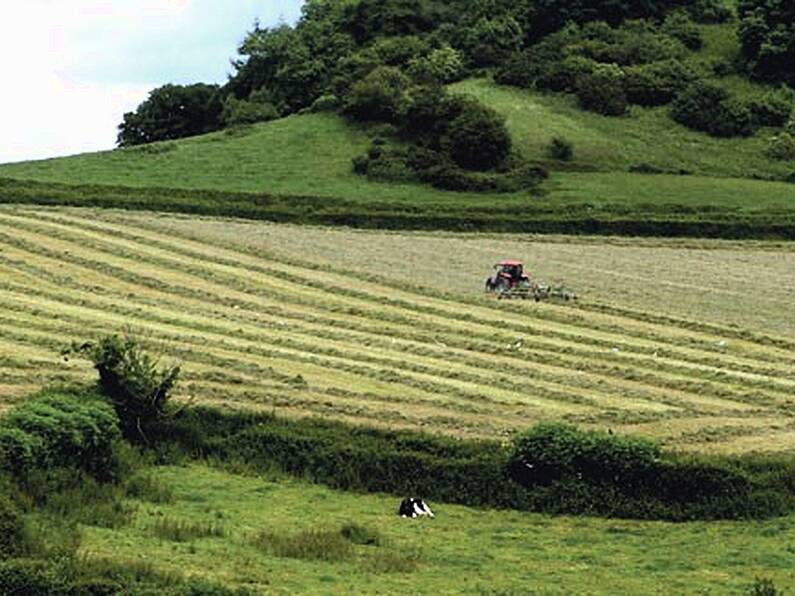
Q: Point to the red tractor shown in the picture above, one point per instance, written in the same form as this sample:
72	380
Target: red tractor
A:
510	280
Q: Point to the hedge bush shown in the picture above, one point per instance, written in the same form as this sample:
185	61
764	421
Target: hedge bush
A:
58	428
657	83
573	471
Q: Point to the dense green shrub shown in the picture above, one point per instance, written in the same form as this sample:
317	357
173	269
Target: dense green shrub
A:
61	429
441	66
561	149
558	451
130	378
771	109
326	103
781	147
477	138
679	26
709	11
603	91
657	83
237	112
709	108
489	40
565	74
382	96
32	577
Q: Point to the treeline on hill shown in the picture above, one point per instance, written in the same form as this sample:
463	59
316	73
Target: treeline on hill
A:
387	61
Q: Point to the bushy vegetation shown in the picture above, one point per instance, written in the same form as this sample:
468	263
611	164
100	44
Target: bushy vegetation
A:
551	468
60	428
129	376
767	39
173	112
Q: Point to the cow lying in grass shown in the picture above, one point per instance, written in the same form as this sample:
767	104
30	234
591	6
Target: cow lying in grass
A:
412	507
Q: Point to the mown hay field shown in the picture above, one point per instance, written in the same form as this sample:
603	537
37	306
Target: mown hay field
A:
305	330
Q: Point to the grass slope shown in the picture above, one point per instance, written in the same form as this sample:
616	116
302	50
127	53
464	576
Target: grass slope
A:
462	550
262	330
303	163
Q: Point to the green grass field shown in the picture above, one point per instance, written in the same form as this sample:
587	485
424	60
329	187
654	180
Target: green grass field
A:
293	333
462	550
310	156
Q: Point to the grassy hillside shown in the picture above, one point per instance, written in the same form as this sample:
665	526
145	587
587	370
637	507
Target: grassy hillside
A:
610	144
462	550
257	329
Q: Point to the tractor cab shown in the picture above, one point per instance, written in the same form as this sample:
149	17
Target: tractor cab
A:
512	270
509	276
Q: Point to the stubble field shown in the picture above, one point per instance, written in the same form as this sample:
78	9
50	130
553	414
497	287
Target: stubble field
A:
368	328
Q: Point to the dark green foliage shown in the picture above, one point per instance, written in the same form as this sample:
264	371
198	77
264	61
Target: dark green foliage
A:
31	577
382	96
710	108
679	26
561	149
781	147
603	91
657	83
560	452
13	536
237	112
367	19
477	138
709	11
576	472
441	66
764	586
61	429
580	218
772	109
172	112
489	40
130	378
767	38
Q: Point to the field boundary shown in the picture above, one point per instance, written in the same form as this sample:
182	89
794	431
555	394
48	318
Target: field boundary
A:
581	218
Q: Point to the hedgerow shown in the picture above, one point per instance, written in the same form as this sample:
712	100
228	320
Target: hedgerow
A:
572	471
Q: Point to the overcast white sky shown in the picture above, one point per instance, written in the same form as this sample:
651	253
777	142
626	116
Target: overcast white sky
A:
70	69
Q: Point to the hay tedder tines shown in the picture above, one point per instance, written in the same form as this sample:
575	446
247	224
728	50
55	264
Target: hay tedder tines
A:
511	281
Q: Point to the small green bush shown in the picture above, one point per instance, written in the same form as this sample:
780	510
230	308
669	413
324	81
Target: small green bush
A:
781	147
561	149
31	577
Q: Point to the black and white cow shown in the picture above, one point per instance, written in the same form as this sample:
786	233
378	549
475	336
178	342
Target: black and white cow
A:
413	507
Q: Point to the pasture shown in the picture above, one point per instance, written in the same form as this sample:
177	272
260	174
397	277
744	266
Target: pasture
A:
304	328
280	535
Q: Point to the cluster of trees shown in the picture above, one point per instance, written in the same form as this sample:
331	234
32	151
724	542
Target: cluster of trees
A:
767	38
373	57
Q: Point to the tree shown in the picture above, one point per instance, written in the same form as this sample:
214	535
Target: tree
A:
172	112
